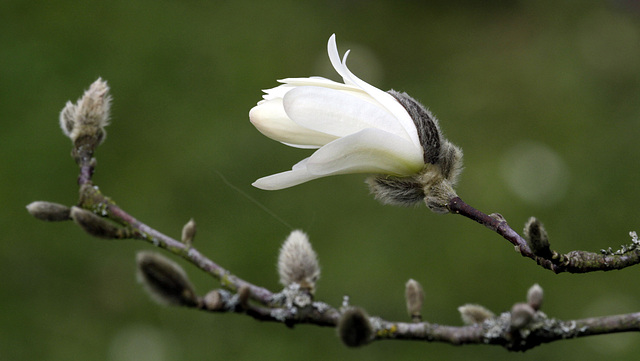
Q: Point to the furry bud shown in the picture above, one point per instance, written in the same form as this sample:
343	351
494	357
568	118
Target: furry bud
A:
414	296
48	211
165	280
397	191
213	301
297	262
85	121
354	327
537	238
442	165
472	314
189	232
535	296
95	225
521	315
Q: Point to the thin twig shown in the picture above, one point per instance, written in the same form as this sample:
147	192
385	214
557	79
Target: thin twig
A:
572	262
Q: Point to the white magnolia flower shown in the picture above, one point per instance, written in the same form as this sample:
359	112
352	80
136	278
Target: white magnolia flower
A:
356	128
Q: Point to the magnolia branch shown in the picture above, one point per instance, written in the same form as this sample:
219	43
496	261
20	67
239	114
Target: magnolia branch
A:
536	245
523	327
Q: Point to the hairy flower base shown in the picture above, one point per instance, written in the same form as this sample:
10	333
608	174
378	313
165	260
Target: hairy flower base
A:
433	185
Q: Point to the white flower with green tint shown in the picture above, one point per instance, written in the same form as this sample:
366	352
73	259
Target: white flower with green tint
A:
356	128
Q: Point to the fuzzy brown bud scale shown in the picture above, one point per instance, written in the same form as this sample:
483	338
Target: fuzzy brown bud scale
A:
165	281
537	238
434	184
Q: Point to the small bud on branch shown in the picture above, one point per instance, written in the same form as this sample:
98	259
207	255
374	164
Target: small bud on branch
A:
521	315
97	226
414	296
87	119
165	280
537	237
48	211
535	296
472	314
354	327
189	232
298	262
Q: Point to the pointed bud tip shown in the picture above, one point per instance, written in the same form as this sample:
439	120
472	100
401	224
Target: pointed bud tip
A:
86	119
537	238
189	232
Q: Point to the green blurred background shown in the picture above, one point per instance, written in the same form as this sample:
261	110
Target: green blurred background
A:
543	96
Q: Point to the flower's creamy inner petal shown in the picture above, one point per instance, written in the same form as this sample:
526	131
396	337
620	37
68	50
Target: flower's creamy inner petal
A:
368	151
325	83
277	92
271	120
384	98
297	175
319	81
336	112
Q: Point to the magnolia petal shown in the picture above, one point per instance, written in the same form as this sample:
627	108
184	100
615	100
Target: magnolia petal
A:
325	83
368	151
337	113
320	81
271	120
275	93
299	174
384	98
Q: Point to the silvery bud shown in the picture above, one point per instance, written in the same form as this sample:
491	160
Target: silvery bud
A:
85	120
298	262
189	232
472	314
535	296
521	315
414	295
48	211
